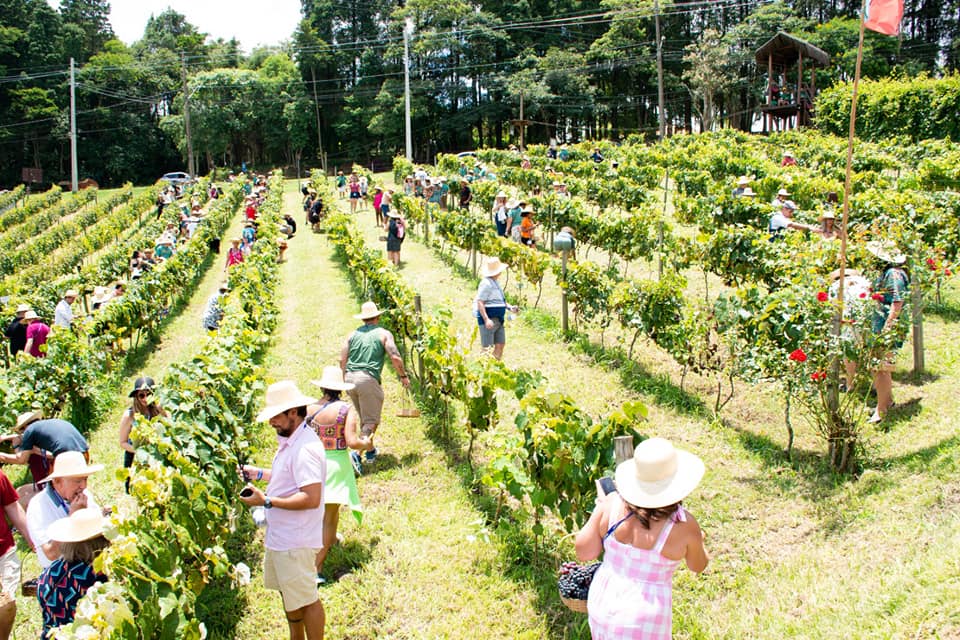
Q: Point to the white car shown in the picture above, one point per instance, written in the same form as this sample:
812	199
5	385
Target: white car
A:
178	178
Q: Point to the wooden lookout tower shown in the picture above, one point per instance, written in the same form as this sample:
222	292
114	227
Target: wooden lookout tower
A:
790	96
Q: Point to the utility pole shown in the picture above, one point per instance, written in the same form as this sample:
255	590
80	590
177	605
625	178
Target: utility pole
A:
74	178
316	108
521	124
660	102
407	30
186	114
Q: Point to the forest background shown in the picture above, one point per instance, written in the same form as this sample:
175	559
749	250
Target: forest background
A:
333	93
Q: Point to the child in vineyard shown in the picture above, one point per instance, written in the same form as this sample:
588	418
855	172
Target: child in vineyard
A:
377	201
341	184
527	228
354	188
234	254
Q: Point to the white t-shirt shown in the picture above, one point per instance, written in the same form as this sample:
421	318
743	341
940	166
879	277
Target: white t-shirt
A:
63	314
44	509
779	221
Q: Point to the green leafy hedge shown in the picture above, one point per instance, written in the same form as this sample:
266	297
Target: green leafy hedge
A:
915	108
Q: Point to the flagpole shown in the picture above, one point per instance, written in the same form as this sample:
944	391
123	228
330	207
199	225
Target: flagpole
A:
838	318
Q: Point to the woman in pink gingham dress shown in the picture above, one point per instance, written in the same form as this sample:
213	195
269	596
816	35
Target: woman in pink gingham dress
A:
644	532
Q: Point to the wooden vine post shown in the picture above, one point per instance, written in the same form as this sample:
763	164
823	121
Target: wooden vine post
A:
418	309
917	315
623	448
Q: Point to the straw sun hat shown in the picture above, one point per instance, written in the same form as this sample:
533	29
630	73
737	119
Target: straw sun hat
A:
368	310
493	267
82	524
72	464
23	308
27	417
283	396
28	316
748	192
887	251
333	379
658	475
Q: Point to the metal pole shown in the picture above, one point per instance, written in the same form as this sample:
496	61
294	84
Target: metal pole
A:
521	121
74	178
660	100
563	298
407	30
316	109
186	114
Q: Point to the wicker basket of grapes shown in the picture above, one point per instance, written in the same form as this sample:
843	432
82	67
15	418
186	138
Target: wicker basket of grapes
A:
574	584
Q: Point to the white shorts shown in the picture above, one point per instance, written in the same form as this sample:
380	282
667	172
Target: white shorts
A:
294	574
10	572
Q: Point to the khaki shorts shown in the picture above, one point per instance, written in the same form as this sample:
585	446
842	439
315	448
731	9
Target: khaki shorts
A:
367	397
294	574
10	573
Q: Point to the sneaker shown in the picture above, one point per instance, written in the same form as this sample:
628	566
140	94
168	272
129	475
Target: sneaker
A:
371	455
357	465
321	580
339	538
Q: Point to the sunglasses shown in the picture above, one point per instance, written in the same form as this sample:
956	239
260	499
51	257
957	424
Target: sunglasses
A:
143	394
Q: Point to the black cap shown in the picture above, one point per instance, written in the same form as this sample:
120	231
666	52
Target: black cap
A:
142	384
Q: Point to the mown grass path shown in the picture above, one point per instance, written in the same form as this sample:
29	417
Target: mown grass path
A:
181	337
416	567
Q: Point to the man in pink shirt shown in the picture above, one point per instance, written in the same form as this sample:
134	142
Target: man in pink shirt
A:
37	332
294	508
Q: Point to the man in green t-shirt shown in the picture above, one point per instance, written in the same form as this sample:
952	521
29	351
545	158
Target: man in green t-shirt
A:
361	360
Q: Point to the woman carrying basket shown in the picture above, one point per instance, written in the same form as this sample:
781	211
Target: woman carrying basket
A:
643	532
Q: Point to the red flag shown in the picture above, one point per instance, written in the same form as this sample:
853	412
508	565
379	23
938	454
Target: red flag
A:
884	16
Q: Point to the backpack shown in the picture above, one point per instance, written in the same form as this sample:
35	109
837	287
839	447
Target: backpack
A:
400	228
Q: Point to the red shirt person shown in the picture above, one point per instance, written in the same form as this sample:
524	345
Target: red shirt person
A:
9	561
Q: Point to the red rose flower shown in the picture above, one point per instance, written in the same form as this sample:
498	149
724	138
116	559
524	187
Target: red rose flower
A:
863	294
878	297
797	355
947	272
822	296
932	263
818	376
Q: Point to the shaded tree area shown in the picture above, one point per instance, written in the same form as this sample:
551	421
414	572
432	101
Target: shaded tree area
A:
334	92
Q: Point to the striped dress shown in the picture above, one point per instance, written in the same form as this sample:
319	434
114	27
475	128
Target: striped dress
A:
631	596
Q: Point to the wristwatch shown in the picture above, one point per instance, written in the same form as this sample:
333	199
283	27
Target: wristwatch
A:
267	503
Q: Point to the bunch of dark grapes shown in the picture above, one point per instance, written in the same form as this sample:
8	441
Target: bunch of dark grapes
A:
574	581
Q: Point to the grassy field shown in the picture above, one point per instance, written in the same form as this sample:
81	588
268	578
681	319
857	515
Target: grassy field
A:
797	552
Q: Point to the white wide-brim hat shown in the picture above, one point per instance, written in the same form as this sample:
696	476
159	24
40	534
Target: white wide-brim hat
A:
658	475
748	192
283	396
393	214
368	310
887	251
743	181
493	267
783	192
333	379
23	308
72	464
82	524
28	316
